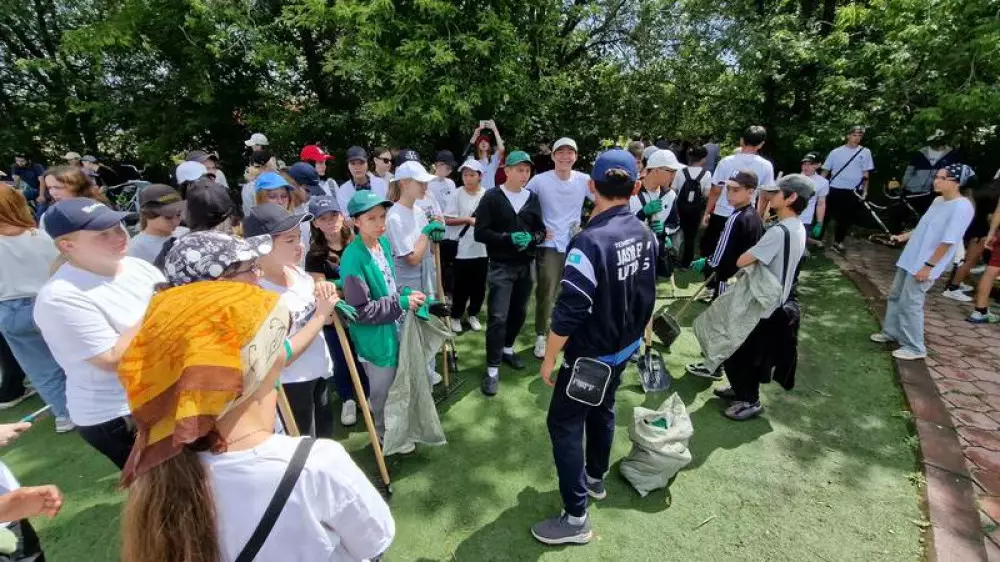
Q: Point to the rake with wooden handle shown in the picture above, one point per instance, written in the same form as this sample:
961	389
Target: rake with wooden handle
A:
440	298
285	409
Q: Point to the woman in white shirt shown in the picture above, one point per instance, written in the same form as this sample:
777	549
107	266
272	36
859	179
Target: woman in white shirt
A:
203	476
487	155
27	254
305	378
88	312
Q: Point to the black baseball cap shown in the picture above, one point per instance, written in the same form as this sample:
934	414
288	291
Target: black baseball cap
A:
406	155
201	156
261	157
208	204
746	178
356	153
812	158
80	213
445	157
272	219
160	199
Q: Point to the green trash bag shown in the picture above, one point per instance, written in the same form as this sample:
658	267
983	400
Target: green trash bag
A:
659	445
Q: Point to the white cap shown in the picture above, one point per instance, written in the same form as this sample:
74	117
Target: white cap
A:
474	165
257	138
190	171
938	134
71	155
664	159
565	141
413	171
649	150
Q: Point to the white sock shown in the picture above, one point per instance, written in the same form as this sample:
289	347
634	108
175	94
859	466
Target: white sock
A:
493	371
508	351
576	520
539	338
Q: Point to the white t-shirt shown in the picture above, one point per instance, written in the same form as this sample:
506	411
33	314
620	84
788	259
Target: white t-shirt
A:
248	194
346	190
490	167
693	171
517	200
333	514
315	361
27	259
822	190
404	226
440	190
943	223
854	173
463	204
562	204
734	163
81	315
146	246
667	196
770	252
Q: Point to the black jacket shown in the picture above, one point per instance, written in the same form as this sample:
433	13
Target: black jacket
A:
496	221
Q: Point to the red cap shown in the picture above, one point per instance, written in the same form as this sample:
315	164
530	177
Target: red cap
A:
313	153
483	138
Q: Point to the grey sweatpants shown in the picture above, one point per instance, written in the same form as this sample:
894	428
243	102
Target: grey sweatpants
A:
379	381
904	313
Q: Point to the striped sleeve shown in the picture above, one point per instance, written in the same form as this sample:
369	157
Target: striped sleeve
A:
575	302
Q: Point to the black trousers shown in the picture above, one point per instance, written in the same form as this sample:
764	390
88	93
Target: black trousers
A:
469	290
12	383
114	438
751	363
842	207
689	226
510	289
311	407
29	549
449	248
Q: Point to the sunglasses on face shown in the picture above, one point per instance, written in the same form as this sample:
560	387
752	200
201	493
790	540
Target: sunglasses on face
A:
384	160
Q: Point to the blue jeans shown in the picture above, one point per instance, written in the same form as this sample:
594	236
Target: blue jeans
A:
30	350
904	313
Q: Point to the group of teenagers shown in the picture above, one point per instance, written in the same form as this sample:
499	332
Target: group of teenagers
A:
165	350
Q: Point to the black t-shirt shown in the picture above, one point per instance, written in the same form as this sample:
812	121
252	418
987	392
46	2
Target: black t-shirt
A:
328	265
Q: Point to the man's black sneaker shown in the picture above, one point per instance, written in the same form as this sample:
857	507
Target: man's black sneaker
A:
726	393
490	385
513	360
700	370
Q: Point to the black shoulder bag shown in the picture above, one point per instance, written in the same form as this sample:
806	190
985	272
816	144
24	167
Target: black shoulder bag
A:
844	167
278	501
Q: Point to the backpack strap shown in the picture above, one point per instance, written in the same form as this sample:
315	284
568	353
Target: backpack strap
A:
278	501
687	176
784	266
700	175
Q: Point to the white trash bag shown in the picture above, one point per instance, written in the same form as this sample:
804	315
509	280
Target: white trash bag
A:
659	445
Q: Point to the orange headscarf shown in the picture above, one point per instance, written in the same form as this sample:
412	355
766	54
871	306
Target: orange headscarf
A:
201	350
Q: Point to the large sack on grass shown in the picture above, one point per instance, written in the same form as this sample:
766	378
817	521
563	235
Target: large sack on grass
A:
410	414
658	453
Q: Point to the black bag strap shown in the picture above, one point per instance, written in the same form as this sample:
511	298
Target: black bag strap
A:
844	167
784	265
466	228
687	176
278	501
700	175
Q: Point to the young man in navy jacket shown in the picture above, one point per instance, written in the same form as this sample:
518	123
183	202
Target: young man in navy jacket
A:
607	297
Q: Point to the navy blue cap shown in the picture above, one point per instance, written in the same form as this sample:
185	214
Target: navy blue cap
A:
71	215
356	153
304	174
406	155
445	157
614	159
272	219
319	206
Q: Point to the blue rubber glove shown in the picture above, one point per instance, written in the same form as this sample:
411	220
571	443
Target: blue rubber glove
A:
653	207
699	265
520	239
346	311
657	226
817	229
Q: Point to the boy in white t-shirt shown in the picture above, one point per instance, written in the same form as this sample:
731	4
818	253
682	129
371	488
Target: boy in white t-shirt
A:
440	189
929	250
561	193
470	260
815	212
848	167
655	200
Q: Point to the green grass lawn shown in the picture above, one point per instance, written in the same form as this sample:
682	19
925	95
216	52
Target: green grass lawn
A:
828	473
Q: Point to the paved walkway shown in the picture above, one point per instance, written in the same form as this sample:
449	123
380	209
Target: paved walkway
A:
964	363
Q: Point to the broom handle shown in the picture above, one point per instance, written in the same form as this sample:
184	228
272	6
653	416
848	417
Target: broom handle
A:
359	392
698	292
440	297
291	428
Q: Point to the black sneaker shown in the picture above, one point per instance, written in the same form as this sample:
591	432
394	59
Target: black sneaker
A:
513	360
490	385
700	370
559	530
726	393
595	489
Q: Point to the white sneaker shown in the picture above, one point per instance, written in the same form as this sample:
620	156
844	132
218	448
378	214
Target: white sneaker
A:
907	355
978	270
540	347
707	295
965	288
879	337
64	425
456	325
956	295
349	413
28	393
474	324
436	378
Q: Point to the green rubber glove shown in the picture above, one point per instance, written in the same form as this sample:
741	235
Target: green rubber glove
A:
404	302
346	311
653	207
437	236
520	239
698	265
422	312
339	284
668	243
431	228
657	226
817	229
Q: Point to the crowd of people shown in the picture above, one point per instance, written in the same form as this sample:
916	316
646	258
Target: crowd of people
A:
164	350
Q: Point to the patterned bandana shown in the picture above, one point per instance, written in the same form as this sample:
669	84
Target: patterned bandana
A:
960	172
204	256
203	349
